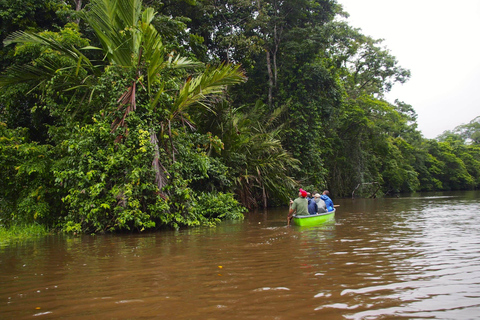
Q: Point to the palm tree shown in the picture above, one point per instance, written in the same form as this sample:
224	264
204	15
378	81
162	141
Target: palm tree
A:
129	40
254	152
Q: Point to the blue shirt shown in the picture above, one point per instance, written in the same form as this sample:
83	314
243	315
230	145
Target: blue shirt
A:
312	206
328	202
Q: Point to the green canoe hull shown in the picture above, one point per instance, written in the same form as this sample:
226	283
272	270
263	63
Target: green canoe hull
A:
313	220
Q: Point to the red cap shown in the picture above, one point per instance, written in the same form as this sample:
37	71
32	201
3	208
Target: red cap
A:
303	192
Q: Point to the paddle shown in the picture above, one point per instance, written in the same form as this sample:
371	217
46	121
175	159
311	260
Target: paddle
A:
289	217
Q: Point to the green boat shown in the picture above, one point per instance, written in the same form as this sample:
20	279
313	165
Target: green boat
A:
313	219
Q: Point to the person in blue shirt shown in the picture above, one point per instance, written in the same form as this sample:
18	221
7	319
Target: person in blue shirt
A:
312	205
328	202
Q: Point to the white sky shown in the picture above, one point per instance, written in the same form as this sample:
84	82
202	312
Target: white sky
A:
439	42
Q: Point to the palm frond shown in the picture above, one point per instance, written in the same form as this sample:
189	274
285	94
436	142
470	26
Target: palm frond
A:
127	103
179	62
153	50
212	81
114	23
45	67
21	37
253	137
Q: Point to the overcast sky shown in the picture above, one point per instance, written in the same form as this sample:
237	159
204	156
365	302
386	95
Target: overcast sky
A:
439	42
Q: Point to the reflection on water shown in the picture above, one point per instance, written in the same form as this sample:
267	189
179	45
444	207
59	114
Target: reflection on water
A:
408	257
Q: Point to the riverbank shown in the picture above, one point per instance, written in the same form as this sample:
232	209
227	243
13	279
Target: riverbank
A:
20	233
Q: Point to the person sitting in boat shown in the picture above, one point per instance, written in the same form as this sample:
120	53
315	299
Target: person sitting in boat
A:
328	202
299	206
312	205
321	206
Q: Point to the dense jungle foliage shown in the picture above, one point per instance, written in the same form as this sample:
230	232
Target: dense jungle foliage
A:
130	115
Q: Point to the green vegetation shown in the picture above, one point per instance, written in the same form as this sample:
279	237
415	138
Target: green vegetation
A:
131	115
20	233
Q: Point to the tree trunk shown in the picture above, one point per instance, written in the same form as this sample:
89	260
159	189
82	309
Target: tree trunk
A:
78	5
270	80
160	178
277	41
265	202
171	139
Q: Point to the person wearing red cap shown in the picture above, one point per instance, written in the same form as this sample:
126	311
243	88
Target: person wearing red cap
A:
298	206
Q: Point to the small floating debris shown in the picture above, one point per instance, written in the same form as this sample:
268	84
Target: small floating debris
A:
128	301
268	289
42	313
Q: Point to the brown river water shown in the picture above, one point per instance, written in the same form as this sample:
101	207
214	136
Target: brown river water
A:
411	257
